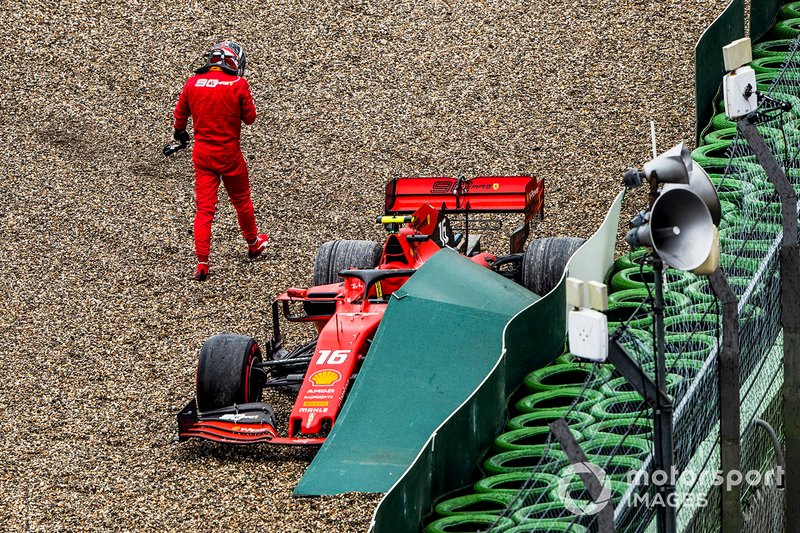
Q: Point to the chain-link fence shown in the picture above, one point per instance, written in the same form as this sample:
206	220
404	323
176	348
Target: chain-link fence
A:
529	485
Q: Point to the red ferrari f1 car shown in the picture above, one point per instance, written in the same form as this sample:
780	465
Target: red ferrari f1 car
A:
352	284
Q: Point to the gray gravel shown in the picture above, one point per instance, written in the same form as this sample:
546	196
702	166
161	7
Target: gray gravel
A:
101	323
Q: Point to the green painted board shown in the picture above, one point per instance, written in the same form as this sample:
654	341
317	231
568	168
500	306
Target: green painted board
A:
424	362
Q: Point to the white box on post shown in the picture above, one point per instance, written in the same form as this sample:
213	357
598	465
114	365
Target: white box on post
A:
588	334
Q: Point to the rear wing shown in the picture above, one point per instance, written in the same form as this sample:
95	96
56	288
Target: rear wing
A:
484	194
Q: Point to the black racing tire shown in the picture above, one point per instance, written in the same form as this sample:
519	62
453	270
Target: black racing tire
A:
526	460
544	262
484	503
469	523
335	256
225	372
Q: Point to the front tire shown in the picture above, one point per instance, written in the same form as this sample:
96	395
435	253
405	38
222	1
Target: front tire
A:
225	373
545	260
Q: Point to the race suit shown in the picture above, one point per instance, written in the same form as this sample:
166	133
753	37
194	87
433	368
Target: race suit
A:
218	104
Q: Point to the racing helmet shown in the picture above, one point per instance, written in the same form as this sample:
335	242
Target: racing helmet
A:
227	55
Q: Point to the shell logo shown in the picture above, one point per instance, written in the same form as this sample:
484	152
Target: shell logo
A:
325	377
495	186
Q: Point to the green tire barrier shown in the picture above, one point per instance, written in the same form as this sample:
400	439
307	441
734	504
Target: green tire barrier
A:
770	64
630	313
698	292
635	277
554	377
552	510
672	299
641	427
574	419
695	322
746	171
622	405
621	385
600	450
732	134
700	309
680	366
787	11
730	212
525	460
489	503
533	483
787	28
730	189
580	496
535	437
763	202
544	525
720	121
619	467
632	278
559	399
748	241
774	48
695	345
470	523
717	154
735	265
631	259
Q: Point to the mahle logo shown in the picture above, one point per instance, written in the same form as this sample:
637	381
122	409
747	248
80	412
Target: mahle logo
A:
583	507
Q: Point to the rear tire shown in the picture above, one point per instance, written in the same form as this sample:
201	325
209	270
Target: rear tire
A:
544	262
335	256
225	372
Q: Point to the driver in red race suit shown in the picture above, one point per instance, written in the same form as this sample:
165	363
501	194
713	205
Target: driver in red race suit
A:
218	99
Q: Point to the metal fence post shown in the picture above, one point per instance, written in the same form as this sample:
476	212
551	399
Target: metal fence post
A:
729	402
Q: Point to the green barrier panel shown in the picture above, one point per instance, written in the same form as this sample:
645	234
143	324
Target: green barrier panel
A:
709	66
763	14
437	342
532	339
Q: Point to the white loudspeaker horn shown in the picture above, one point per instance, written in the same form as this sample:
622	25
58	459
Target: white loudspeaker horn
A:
679	230
673	166
701	185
